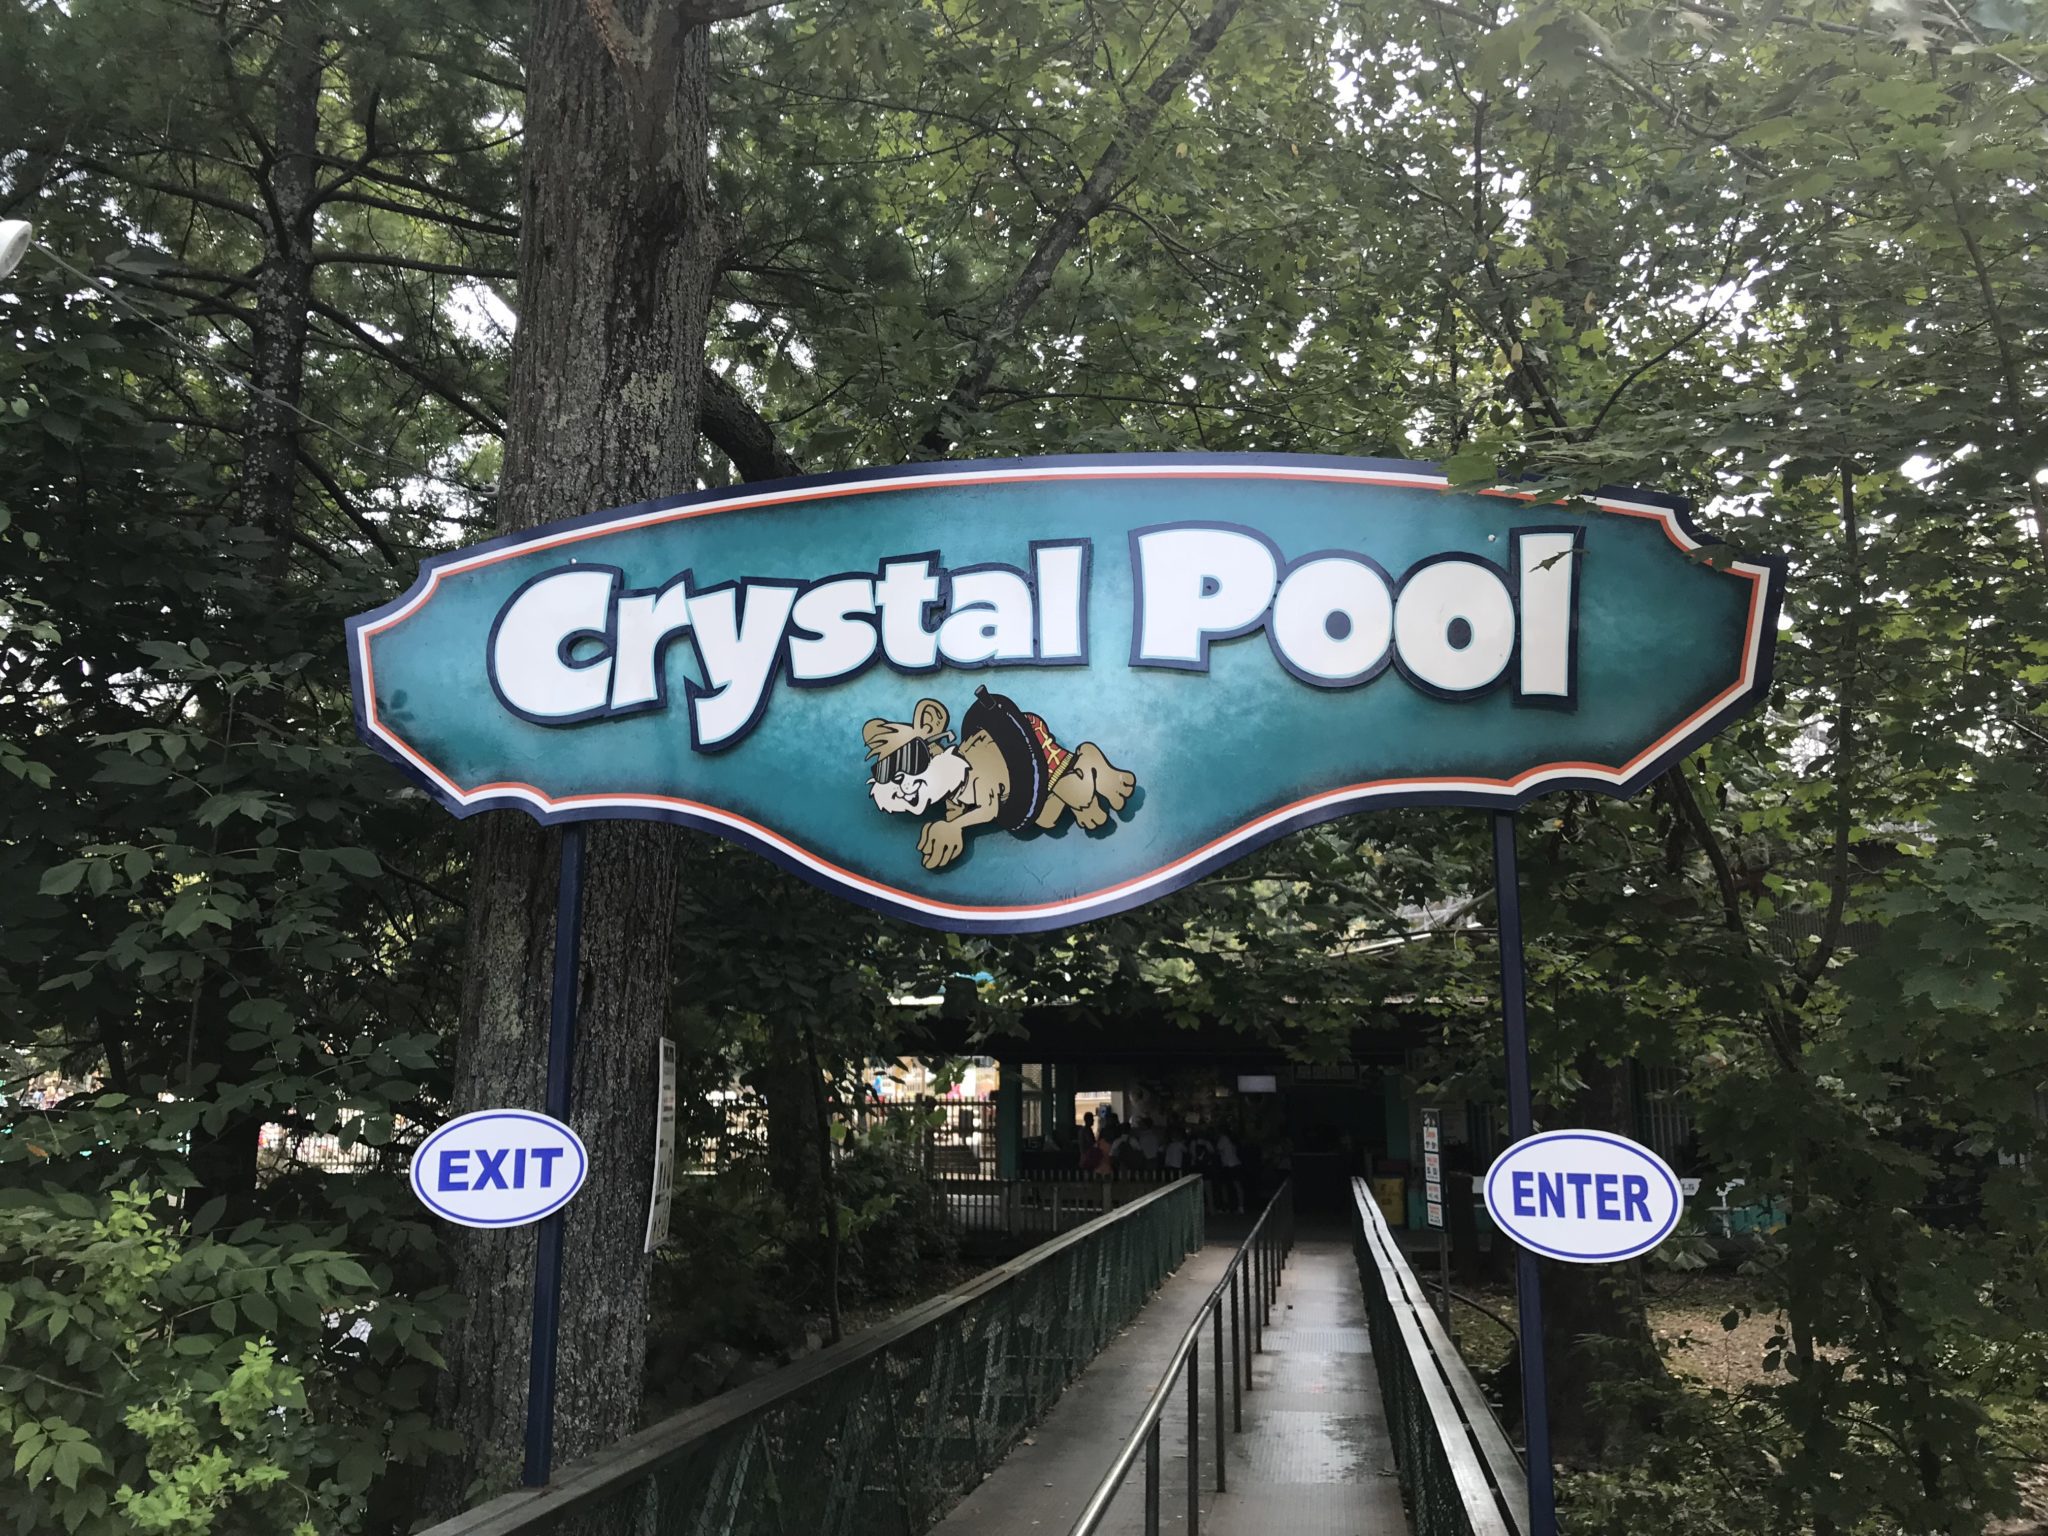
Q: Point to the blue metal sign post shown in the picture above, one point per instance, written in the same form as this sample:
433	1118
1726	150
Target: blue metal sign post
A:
1013	696
1507	878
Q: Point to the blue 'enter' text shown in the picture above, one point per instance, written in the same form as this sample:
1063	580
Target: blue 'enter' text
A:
1616	1196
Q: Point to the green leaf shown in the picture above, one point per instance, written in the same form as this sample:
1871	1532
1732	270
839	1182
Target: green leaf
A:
358	861
73	1457
62	879
349	1272
1477	463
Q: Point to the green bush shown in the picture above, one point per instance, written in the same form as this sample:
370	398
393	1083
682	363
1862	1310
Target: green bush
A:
156	1378
892	1217
728	1285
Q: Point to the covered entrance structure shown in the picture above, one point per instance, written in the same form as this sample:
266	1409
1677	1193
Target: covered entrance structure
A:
1321	1124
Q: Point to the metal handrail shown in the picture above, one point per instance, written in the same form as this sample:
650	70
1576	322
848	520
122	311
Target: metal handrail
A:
588	1487
1254	1271
1514	1334
1458	1471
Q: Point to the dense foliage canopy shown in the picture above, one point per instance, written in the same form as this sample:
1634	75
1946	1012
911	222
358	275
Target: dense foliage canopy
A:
1782	257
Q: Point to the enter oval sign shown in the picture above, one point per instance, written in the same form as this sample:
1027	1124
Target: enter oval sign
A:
499	1168
1587	1197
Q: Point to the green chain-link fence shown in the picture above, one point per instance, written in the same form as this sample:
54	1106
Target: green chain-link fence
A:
877	1436
1458	1472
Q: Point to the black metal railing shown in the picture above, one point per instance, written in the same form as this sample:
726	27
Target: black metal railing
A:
1458	1472
1038	1206
1251	1282
877	1436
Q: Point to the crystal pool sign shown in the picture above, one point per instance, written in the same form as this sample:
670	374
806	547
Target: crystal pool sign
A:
1016	695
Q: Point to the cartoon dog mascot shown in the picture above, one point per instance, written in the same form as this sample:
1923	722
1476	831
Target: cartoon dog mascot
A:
1006	772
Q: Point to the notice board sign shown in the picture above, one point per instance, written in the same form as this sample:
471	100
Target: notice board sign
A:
664	1149
1433	1168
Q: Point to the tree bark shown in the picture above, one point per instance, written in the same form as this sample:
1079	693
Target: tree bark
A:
618	253
284	287
730	421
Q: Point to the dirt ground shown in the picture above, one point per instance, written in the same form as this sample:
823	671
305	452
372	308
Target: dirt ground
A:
1685	1317
1685	1313
2034	1520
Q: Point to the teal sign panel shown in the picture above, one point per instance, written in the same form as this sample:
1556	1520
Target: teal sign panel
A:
1010	696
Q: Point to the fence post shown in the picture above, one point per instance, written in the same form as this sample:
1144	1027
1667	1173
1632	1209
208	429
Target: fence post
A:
1216	1370
1237	1356
928	1142
1152	1482
1194	1369
1255	1292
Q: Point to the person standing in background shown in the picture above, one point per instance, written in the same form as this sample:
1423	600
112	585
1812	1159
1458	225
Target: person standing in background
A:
1095	1161
1229	1174
1202	1160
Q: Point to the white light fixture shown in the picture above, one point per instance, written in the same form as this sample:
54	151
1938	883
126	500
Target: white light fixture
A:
14	238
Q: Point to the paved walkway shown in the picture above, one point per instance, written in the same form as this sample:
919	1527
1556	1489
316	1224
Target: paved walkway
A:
1313	1459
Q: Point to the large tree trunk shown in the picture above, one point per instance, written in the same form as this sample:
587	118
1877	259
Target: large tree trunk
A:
617	259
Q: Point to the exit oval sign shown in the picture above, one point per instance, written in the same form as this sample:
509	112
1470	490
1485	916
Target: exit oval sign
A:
1015	695
1587	1197
499	1168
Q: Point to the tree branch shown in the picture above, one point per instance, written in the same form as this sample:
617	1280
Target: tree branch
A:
306	541
1680	789
467	71
377	259
2016	397
347	508
389	179
405	365
1685	338
741	433
247	211
431	215
973	379
704	12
